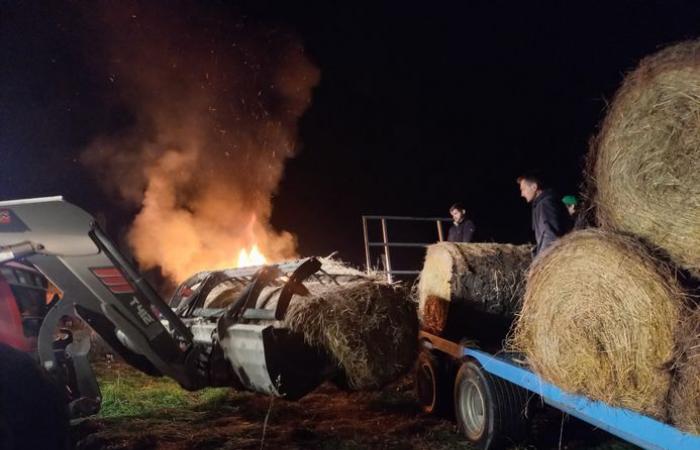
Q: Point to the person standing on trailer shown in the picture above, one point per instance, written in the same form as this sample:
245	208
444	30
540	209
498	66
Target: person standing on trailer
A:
578	216
550	219
462	229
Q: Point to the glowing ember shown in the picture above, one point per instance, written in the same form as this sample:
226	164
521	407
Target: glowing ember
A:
251	258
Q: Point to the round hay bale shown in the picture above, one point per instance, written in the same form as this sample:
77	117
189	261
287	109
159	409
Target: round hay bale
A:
645	162
434	314
685	392
489	276
369	328
599	318
223	294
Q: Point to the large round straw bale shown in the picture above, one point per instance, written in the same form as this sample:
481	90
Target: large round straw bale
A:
490	277
645	162
369	328
685	392
599	318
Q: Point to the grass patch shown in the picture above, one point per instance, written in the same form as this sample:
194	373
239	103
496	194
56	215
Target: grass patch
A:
126	392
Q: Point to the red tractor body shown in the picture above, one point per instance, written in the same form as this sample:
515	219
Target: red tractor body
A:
22	305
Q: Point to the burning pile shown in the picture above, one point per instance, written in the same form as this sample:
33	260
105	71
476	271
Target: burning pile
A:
607	313
209	108
213	106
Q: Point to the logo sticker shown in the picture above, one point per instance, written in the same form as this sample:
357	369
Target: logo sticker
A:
10	223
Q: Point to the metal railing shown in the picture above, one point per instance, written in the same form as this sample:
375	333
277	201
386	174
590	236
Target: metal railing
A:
387	244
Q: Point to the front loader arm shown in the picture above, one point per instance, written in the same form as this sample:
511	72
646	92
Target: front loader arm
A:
63	242
246	345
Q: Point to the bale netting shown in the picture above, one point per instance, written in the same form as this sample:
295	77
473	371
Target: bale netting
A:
685	392
369	328
599	318
645	162
490	277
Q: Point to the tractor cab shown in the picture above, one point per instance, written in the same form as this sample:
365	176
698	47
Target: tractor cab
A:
23	305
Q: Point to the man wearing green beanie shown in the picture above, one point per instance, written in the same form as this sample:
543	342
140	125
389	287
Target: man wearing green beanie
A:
571	203
578	217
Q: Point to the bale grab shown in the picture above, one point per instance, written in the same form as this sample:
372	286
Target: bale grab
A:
368	328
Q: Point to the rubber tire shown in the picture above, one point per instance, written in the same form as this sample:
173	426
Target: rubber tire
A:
431	384
504	407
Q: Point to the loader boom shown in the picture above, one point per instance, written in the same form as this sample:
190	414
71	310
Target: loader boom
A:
244	345
64	243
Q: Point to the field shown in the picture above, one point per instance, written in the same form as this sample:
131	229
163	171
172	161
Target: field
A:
140	412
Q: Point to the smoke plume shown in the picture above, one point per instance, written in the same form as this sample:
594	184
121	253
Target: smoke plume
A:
209	107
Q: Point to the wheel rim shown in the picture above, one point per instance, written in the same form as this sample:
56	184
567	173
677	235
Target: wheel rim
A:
473	409
426	386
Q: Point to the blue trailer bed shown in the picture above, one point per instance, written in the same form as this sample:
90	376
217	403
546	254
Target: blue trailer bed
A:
628	425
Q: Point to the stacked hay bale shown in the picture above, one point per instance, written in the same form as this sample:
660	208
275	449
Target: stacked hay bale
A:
604	312
599	318
645	162
477	286
646	167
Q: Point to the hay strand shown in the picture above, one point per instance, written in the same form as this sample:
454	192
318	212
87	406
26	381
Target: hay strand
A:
685	392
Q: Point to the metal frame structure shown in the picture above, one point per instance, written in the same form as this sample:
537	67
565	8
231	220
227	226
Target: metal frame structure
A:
386	244
243	277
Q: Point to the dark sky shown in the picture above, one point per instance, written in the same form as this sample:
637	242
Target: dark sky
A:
419	105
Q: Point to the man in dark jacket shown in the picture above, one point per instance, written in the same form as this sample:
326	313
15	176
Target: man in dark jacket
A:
462	229
550	219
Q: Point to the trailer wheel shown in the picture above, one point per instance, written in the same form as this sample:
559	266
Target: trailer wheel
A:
490	411
431	385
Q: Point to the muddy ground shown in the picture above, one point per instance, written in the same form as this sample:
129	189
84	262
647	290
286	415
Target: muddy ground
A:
143	413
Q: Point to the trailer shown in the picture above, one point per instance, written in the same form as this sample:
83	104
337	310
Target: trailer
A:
492	394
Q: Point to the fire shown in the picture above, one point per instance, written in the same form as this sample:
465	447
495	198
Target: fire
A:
251	258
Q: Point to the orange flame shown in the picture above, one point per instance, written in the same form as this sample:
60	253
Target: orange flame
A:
251	258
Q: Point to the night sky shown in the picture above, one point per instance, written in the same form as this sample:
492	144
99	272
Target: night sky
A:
418	106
